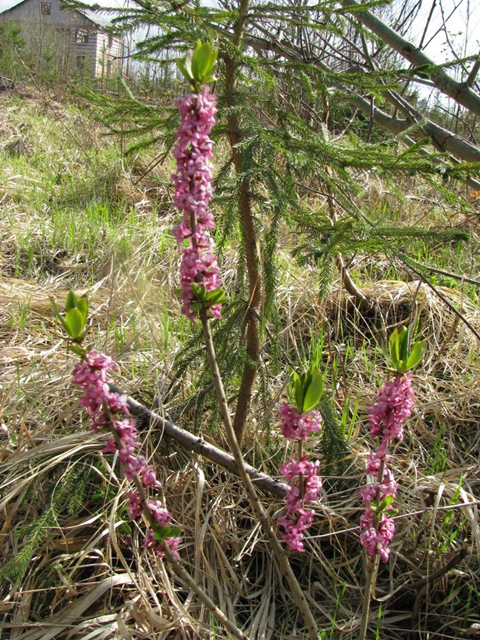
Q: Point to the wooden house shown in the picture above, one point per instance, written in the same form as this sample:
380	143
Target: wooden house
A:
80	37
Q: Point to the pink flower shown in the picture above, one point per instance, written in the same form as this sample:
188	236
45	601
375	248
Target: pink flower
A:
193	182
149	478
376	536
374	461
134	504
388	487
91	375
297	519
292	468
392	406
295	523
299	426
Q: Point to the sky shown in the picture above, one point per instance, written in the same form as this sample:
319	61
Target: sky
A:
8	4
463	26
438	49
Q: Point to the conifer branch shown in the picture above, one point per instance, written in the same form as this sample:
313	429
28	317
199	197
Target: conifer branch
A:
460	92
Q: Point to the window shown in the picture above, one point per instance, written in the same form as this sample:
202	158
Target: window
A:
81	36
46	8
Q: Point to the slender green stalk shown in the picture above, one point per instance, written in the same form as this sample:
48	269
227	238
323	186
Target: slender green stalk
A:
255	503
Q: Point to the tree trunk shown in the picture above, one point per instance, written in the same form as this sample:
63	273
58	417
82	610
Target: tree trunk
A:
251	253
448	140
459	91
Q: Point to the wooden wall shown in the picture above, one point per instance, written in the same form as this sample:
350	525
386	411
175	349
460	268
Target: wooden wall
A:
81	42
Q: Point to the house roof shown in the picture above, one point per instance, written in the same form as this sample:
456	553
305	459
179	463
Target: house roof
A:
96	19
100	21
14	6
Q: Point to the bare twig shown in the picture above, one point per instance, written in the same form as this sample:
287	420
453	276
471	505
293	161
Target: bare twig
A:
473	73
448	274
426	582
444	300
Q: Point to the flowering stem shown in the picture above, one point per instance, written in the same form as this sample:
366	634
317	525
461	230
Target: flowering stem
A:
301	484
193	212
136	480
257	508
372	567
392	406
169	554
193	192
372	562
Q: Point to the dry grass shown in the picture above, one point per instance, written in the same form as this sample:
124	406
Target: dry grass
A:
223	547
86	574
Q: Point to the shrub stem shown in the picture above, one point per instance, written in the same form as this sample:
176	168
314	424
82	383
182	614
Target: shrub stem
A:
257	508
168	553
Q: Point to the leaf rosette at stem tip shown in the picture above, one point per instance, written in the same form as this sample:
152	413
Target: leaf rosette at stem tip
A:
74	321
400	356
199	64
308	389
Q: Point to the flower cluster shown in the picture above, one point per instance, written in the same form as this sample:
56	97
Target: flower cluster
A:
392	406
377	535
193	192
299	426
301	474
110	409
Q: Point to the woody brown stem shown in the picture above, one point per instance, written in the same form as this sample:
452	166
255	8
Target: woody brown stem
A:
255	503
372	564
248	228
346	278
349	284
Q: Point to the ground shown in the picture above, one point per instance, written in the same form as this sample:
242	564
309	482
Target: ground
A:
76	213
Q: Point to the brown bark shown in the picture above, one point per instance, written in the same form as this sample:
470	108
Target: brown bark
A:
252	258
209	451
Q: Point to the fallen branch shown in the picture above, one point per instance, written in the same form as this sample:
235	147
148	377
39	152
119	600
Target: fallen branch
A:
211	452
214	454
